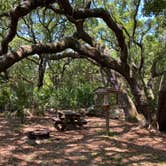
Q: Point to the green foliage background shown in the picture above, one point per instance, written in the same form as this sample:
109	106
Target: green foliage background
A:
73	87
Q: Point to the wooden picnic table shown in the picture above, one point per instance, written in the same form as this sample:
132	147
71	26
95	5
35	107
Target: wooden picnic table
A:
68	119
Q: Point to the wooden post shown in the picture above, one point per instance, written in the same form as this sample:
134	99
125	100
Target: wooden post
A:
106	104
107	119
106	108
117	99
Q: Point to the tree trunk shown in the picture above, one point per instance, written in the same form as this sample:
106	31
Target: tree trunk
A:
143	104
129	108
116	80
161	113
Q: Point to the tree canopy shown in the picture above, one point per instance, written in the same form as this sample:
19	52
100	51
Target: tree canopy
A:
109	34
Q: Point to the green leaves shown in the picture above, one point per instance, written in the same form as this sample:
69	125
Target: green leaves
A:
155	7
7	4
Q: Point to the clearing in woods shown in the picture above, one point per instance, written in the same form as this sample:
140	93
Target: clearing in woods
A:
127	144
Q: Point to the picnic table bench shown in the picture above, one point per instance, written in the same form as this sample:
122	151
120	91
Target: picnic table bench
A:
38	134
68	119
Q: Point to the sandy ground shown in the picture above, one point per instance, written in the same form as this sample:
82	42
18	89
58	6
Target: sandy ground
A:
127	144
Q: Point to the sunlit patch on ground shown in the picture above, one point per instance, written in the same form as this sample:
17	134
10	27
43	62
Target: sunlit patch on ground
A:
126	145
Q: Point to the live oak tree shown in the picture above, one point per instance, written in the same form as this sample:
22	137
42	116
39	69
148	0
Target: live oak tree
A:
111	34
157	8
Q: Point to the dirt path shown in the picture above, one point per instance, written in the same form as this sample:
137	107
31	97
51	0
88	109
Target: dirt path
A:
126	146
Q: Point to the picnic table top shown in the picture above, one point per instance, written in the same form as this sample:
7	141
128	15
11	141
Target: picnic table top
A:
69	113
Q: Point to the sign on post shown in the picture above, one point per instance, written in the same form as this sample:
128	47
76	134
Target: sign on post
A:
106	103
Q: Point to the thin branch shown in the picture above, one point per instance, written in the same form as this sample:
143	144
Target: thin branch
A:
4	14
15	14
78	14
140	45
32	60
114	47
57	11
25	78
154	71
42	22
23	38
135	19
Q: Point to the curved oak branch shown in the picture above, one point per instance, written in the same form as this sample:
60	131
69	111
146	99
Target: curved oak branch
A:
15	14
77	14
11	58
